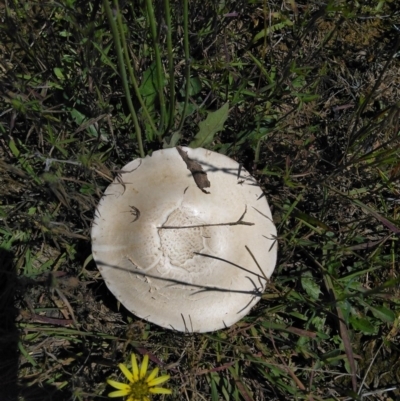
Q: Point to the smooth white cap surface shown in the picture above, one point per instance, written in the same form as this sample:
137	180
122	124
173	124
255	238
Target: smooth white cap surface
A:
158	273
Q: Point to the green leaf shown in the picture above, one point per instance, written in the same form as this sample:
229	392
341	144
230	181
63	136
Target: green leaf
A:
104	56
363	325
267	31
241	386
78	116
210	126
194	87
175	138
80	119
3	213
383	313
310	220
59	73
310	286
306	97
148	88
87	189
26	354
299	82
214	390
13	148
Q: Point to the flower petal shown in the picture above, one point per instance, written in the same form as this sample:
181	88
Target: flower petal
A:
158	380
160	390
143	367
118	385
135	369
126	372
152	375
119	393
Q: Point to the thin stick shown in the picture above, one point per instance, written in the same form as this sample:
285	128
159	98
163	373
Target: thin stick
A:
255	260
122	71
187	61
170	65
369	367
159	72
235	223
288	370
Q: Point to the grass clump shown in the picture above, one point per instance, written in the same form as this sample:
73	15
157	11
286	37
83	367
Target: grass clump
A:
305	96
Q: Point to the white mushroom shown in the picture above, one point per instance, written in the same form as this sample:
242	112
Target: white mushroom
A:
185	239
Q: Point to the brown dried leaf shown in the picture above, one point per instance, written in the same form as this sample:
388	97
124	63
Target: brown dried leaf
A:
199	176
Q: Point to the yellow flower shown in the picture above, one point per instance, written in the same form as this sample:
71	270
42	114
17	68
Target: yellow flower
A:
139	387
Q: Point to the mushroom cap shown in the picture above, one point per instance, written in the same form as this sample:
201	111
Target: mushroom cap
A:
203	277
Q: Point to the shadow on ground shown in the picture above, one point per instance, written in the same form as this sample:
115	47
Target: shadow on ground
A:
13	388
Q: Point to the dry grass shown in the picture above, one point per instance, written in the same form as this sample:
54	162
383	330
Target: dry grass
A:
314	116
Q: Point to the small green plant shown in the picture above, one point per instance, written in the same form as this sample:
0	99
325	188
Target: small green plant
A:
304	96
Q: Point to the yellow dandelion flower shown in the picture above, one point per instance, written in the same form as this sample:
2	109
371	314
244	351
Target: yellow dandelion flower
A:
141	385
